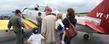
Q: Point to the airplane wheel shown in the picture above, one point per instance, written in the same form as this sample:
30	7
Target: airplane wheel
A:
86	36
6	30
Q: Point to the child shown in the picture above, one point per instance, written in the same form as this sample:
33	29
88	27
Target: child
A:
35	38
59	24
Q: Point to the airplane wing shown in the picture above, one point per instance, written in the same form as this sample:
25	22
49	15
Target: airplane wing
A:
3	24
28	24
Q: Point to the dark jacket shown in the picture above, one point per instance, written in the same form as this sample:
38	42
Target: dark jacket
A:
72	20
15	22
17	25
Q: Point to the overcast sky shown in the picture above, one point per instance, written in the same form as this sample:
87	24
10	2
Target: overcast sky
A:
6	6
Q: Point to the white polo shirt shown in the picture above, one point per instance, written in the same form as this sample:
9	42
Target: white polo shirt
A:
36	38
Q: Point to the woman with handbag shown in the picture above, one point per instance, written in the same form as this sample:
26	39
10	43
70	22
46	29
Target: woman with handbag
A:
69	20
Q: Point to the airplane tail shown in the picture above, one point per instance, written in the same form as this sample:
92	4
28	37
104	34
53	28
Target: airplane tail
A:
102	12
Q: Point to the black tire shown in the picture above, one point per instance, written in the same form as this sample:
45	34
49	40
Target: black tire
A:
86	36
6	30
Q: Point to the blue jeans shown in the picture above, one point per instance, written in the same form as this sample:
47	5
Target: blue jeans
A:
67	40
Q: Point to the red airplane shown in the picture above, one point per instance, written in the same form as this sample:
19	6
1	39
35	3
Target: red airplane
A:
96	21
